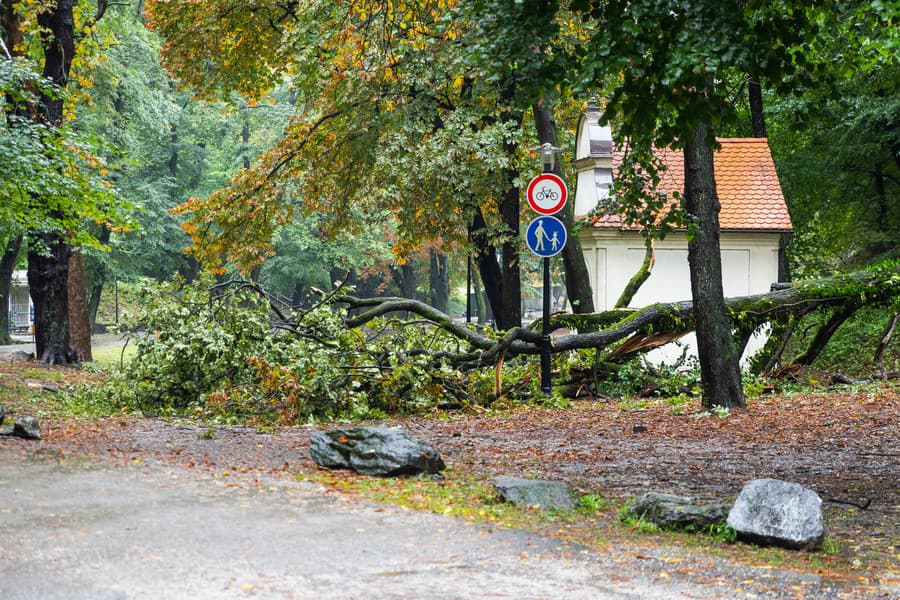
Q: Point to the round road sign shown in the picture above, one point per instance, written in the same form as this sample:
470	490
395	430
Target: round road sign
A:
547	194
546	236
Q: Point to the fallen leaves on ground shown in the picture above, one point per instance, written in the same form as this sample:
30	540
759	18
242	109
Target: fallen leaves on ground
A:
841	443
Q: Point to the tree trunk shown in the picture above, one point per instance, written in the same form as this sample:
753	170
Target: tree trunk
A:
439	276
487	262
757	116
578	282
7	266
878	358
405	277
638	279
823	336
510	209
79	322
481	310
101	274
48	258
719	363
48	282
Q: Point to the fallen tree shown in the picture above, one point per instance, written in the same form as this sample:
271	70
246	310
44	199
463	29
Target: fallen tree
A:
234	350
623	333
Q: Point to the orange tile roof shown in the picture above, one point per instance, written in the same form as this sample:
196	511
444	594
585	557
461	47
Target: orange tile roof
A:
748	187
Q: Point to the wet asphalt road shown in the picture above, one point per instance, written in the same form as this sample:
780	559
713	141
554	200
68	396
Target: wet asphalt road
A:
73	529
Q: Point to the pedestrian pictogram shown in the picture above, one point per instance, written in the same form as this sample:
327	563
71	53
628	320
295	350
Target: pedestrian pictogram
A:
546	236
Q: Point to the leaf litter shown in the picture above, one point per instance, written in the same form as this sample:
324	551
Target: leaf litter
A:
841	443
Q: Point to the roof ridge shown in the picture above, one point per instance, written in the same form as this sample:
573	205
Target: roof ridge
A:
743	140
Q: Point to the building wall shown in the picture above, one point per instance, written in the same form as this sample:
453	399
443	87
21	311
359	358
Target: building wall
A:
749	266
20	311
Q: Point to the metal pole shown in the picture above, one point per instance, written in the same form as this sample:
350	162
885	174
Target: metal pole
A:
469	290
546	385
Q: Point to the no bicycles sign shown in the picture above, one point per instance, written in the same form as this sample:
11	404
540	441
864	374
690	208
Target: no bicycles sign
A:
547	194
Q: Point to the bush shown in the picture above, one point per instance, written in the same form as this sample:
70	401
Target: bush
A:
224	357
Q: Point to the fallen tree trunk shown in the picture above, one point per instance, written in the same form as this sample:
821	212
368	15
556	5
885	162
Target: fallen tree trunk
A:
641	330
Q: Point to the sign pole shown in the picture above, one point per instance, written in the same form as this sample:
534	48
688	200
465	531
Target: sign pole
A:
546	236
546	375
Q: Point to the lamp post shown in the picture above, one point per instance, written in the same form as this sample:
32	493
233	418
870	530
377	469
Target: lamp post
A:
547	152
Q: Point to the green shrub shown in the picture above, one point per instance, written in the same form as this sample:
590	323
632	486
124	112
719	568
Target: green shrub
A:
223	357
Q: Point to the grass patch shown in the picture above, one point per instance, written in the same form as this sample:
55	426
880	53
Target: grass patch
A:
110	356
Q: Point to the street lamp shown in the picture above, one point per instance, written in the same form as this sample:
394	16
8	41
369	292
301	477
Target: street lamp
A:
548	154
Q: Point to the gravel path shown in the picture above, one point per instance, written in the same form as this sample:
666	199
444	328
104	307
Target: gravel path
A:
78	529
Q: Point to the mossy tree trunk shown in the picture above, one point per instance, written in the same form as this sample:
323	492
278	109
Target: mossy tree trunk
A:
720	371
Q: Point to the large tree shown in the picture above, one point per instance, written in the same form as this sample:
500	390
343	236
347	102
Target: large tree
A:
48	181
667	64
414	108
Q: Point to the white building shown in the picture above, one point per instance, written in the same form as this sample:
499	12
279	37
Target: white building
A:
753	219
21	312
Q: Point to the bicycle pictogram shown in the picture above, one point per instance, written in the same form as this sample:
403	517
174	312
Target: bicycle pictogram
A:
547	194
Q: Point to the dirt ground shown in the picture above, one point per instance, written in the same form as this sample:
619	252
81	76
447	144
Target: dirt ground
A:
841	443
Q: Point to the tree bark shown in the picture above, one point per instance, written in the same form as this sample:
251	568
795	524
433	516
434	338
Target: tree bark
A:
487	262
638	279
870	287
48	258
405	277
439	276
48	282
878	358
719	363
101	274
79	322
823	336
7	266
757	116
510	208
578	281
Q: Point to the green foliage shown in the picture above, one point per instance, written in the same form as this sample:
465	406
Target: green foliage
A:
638	523
850	351
51	180
636	377
591	503
224	357
721	532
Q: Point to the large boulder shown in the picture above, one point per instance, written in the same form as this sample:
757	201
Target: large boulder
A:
535	492
374	451
780	513
678	512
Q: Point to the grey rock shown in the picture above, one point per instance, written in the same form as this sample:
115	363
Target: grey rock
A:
374	451
678	512
20	356
781	513
535	492
24	427
28	428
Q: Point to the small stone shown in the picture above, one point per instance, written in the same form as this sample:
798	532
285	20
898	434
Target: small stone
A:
535	492
27	428
677	512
